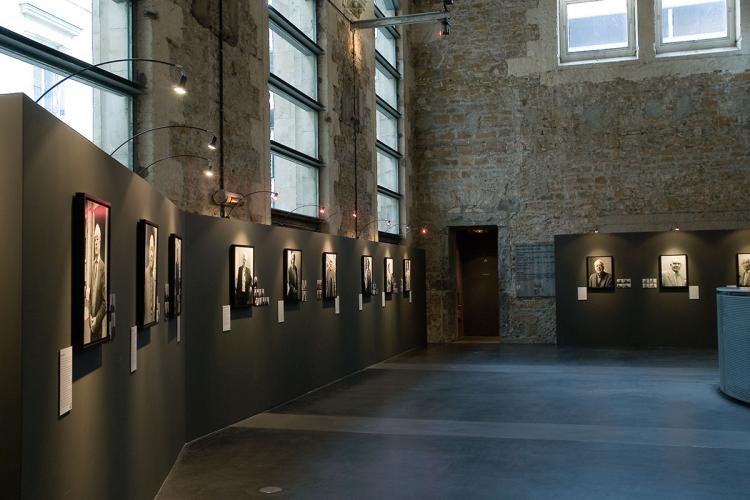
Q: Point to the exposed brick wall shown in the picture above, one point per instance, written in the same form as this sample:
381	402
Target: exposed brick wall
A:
505	137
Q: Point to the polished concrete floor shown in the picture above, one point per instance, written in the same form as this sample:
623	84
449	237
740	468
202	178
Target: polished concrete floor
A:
476	421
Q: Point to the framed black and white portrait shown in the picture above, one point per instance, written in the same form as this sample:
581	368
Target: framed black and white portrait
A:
388	275
743	269
148	252
242	266
91	236
330	290
367	274
673	271
407	275
600	272
175	276
292	275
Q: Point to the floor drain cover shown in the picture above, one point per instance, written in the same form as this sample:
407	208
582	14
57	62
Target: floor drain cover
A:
270	490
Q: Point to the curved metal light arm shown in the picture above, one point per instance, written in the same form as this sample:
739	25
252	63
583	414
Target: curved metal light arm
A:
143	170
303	206
158	128
92	66
370	223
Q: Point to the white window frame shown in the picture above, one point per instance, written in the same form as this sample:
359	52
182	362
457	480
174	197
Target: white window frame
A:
729	41
629	52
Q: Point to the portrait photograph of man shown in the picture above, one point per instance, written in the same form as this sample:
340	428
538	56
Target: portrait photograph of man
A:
95	257
329	275
388	268
407	275
175	276
743	269
243	274
150	251
600	272
292	275
367	275
673	271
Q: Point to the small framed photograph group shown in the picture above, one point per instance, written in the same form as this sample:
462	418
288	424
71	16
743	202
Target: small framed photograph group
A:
292	275
91	244
673	271
329	276
148	251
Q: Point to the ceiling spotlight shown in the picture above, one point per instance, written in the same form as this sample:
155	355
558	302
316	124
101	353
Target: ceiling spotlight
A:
446	29
676	228
274	196
212	144
596	230
181	87
354	214
322	210
209	172
423	231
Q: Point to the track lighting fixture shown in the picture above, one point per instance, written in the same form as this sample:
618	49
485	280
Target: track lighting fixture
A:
209	172
212	144
181	87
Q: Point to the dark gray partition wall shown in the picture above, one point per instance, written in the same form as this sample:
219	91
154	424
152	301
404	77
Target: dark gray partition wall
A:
260	362
125	430
639	317
11	161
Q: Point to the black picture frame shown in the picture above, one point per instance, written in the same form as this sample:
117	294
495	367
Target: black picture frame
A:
667	282
739	261
292	285
330	283
148	289
84	230
593	281
366	277
388	275
239	299
175	276
406	265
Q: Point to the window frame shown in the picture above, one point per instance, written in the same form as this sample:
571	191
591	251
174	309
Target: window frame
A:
728	42
282	26
599	55
37	54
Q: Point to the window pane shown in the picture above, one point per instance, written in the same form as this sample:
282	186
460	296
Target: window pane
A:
386	87
688	20
387	129
300	13
102	117
291	63
297	185
385	45
386	7
388	212
90	30
294	126
387	172
597	25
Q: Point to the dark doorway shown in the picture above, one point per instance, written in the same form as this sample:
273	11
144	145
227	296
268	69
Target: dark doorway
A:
477	282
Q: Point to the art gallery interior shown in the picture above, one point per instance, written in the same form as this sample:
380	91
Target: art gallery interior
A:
374	249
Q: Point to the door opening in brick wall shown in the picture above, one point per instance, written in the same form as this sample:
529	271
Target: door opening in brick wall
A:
476	279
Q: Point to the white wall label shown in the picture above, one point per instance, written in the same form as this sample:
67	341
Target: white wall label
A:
281	311
337	306
226	318
178	330
133	349
359	299
583	293
382	299
694	292
66	380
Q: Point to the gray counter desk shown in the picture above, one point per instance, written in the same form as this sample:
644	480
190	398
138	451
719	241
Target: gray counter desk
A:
734	341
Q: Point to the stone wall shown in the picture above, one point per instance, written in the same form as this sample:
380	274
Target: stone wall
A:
187	32
505	137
